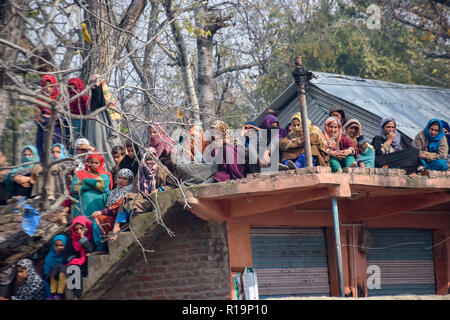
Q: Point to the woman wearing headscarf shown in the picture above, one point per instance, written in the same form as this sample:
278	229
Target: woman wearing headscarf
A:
293	145
86	237
227	170
99	135
31	285
270	123
341	149
54	270
191	168
432	145
19	180
163	145
91	187
392	150
42	115
59	178
352	129
339	113
106	218
77	106
251	144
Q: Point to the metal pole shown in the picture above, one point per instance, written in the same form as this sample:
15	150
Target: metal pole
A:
337	236
299	74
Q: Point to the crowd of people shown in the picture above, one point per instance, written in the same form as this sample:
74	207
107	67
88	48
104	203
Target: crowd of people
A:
97	190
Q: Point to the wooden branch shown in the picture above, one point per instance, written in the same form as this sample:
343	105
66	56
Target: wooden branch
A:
236	68
437	55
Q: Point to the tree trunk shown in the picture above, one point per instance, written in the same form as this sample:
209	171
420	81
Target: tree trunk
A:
184	61
108	37
205	83
12	29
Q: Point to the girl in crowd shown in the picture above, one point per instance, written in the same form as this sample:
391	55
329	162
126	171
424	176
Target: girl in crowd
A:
58	152
86	237
42	114
293	146
231	169
78	106
132	157
392	150
91	187
19	180
341	149
432	145
54	271
29	284
118	153
106	218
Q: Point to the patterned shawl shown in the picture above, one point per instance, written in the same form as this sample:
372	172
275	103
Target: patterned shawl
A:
118	193
32	287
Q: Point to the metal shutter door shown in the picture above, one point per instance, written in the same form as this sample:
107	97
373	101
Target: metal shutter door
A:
290	262
405	259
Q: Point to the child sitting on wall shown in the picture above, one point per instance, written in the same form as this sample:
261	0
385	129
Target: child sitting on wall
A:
55	268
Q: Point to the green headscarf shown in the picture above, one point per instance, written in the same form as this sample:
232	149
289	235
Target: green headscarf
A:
23	159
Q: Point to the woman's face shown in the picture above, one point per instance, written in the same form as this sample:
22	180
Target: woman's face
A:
333	129
152	131
150	162
389	127
78	228
296	125
72	89
337	115
433	130
21	274
56	152
59	246
130	152
117	157
353	130
94	164
122	181
48	88
27	153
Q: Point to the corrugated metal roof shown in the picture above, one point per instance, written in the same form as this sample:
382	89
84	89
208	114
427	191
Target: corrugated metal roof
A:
368	101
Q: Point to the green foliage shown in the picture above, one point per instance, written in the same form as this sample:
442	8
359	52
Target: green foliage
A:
336	41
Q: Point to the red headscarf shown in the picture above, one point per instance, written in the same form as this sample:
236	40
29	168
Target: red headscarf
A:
84	221
80	104
101	169
160	141
54	95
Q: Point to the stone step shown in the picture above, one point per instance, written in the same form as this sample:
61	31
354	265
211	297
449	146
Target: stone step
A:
99	265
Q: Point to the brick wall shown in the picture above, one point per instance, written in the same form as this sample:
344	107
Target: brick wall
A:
192	265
